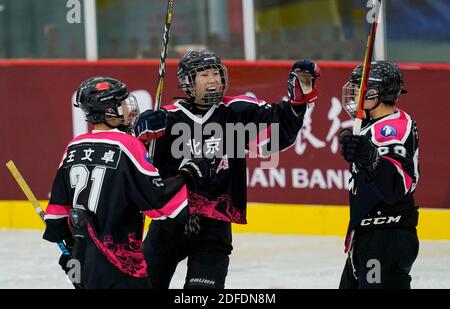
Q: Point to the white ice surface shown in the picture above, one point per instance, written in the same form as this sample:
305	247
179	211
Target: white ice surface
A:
258	261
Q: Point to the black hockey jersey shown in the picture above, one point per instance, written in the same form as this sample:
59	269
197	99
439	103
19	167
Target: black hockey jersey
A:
108	173
212	135
386	198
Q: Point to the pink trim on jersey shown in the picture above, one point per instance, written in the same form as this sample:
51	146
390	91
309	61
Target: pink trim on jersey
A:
172	208
57	210
407	180
228	100
130	262
400	124
200	205
263	135
171	108
349	241
63	157
132	146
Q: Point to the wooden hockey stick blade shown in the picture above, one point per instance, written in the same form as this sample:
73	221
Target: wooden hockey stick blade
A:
32	199
25	188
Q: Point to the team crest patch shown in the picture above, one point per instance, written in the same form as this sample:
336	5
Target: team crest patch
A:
388	131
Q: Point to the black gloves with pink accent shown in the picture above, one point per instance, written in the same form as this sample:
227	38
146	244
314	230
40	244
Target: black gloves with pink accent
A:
150	125
302	86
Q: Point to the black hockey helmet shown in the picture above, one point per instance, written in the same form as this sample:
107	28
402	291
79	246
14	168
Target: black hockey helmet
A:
385	83
197	61
102	98
385	78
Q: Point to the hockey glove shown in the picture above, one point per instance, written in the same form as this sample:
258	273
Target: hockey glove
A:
150	125
302	88
198	171
192	227
359	150
63	262
64	259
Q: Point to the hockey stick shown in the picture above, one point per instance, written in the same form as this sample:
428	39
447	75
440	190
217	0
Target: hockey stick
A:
162	67
366	71
32	199
362	94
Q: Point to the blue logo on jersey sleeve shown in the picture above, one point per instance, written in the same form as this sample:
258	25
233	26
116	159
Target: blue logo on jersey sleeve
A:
388	131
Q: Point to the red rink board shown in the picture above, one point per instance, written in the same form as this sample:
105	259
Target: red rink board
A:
37	124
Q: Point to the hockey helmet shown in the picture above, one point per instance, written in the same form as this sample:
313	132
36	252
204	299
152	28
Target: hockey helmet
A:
102	98
197	61
385	83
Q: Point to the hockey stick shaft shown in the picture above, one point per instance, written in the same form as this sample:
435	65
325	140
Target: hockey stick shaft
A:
362	93
162	67
366	71
32	199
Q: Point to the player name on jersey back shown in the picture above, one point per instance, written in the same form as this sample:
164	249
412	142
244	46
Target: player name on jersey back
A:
94	154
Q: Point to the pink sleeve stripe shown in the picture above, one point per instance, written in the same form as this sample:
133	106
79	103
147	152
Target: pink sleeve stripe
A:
407	180
132	147
63	157
57	210
228	100
172	208
154	214
400	124
263	138
171	108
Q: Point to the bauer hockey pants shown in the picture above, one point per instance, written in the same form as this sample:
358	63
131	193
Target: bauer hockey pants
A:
208	253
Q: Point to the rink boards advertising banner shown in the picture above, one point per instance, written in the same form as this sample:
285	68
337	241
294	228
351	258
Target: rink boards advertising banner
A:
38	121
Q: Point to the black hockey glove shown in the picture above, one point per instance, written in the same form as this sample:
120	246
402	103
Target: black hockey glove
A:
150	125
191	222
63	262
63	259
192	227
302	86
359	150
198	171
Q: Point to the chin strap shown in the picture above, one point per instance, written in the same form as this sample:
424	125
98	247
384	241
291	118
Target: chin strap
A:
369	110
120	127
193	105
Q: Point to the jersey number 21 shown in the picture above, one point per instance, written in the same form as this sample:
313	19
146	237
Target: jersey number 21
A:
79	180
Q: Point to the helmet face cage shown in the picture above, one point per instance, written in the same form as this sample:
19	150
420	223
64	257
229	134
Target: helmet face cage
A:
129	110
350	93
193	63
188	84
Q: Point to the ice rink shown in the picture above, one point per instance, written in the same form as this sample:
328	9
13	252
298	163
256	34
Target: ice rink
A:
258	261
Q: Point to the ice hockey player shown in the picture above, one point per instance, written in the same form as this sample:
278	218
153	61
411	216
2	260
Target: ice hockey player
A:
382	240
204	79
103	185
